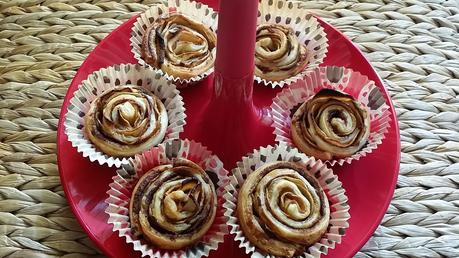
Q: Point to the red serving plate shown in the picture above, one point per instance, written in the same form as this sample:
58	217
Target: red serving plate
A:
369	182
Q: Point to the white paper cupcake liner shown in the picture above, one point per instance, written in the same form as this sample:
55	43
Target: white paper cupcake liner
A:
339	207
306	27
341	79
109	78
195	10
127	177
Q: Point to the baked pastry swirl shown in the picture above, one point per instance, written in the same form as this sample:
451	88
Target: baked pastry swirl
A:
179	46
330	125
125	121
282	209
174	205
278	53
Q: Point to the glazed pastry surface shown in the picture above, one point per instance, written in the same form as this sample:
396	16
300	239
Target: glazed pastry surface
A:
174	205
179	46
125	121
278	53
282	209
330	125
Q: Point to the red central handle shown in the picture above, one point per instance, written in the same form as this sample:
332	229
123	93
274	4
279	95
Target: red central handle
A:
230	120
237	24
234	63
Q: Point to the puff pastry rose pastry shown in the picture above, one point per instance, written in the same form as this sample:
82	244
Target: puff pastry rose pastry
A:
174	205
278	53
330	125
179	46
125	121
282	209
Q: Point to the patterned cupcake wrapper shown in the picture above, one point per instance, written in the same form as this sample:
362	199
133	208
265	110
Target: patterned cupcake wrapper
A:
109	78
306	28
195	10
341	79
127	177
339	207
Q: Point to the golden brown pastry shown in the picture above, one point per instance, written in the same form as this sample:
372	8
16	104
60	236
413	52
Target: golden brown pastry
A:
174	205
125	121
179	46
282	209
330	125
278	54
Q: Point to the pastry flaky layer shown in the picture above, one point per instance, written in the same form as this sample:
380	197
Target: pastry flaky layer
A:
125	121
278	53
179	46
330	125
282	209
173	206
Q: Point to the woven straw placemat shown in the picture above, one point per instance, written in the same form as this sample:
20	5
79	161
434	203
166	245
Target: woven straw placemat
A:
413	44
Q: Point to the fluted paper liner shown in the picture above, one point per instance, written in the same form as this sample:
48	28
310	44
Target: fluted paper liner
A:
109	78
339	207
195	10
345	80
306	28
124	182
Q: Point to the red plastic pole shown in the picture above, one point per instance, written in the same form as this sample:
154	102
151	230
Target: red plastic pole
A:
231	108
230	120
235	54
237	23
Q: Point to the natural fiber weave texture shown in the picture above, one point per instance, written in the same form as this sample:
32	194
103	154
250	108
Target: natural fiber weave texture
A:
413	44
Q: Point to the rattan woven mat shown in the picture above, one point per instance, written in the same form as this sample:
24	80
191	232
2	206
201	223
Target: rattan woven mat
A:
413	44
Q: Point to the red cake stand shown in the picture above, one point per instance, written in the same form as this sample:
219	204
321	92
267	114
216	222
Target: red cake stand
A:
228	114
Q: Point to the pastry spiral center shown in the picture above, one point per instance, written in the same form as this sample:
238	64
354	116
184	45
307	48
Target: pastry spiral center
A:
290	198
331	124
337	120
272	47
125	111
186	44
278	54
282	209
126	120
178	205
129	116
179	46
292	202
173	205
181	200
178	199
